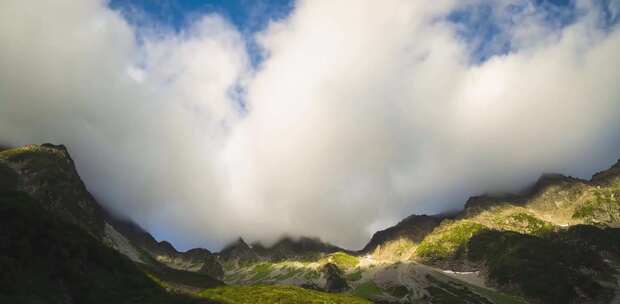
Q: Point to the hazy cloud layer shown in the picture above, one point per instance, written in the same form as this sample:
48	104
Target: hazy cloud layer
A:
360	114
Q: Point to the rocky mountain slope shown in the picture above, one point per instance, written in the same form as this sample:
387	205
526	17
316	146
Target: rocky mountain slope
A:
556	242
47	173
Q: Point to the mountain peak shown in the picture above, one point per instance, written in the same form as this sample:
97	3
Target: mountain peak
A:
551	179
414	227
238	251
607	176
47	173
290	247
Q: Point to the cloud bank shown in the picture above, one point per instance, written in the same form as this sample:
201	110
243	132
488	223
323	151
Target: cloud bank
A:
359	115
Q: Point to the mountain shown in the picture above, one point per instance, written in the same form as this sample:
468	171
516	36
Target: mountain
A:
47	173
46	259
237	253
294	248
196	260
558	241
562	229
51	238
608	176
46	206
412	229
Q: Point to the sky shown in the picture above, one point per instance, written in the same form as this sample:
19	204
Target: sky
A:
204	121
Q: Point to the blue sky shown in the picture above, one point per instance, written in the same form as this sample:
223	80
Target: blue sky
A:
476	22
247	16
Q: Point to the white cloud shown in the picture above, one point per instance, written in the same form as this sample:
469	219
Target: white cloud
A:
361	113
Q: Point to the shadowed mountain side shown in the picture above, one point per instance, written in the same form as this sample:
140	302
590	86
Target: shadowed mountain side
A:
47	259
47	173
196	259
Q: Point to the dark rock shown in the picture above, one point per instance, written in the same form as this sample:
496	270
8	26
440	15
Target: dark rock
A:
334	279
607	176
290	248
238	252
8	178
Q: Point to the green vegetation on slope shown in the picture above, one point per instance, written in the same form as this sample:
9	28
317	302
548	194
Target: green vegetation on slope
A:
494	296
444	242
343	260
523	222
602	240
604	207
288	272
367	290
261	271
36	155
266	294
354	276
179	280
451	293
47	260
544	269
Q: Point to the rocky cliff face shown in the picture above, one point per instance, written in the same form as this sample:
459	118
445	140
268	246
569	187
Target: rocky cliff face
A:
237	253
47	173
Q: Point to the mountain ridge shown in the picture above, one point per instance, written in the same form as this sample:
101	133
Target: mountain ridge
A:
566	227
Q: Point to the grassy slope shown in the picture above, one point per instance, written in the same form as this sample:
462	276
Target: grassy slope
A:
266	272
446	240
276	294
